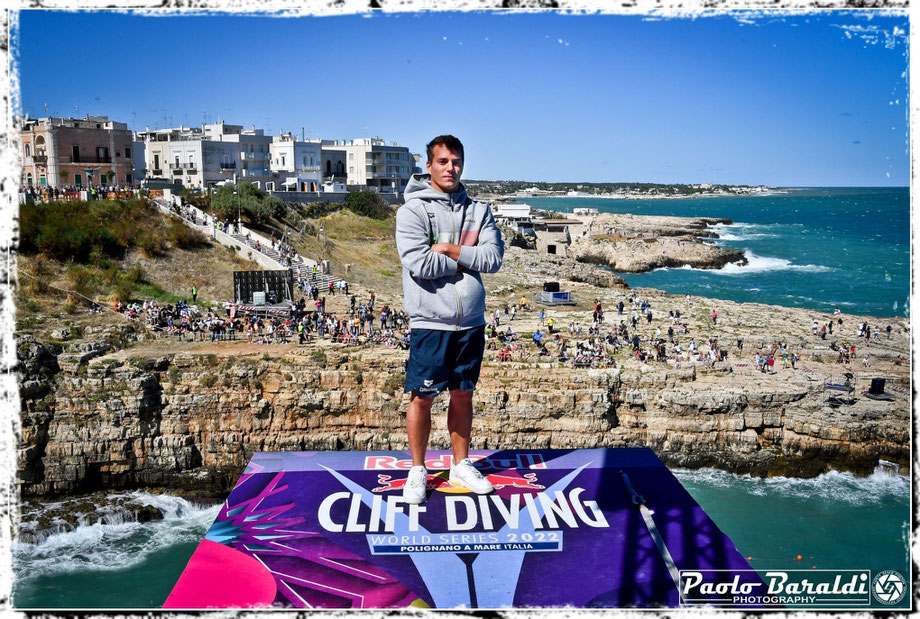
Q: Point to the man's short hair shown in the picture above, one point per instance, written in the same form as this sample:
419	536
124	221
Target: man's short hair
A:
449	141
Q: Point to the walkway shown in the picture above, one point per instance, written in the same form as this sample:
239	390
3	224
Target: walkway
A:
264	256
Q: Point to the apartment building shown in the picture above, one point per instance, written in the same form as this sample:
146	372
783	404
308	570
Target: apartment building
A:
371	163
297	165
203	157
76	151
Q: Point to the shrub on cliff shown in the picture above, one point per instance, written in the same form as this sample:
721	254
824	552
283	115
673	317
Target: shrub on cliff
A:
368	203
181	236
255	203
81	231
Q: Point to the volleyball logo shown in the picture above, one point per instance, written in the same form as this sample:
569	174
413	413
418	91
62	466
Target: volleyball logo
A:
889	587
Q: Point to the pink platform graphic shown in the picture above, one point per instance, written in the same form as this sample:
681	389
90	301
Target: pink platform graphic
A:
330	530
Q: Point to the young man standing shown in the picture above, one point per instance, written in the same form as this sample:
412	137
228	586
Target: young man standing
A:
445	240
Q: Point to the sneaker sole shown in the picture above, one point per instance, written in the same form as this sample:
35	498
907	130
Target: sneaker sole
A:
411	501
462	484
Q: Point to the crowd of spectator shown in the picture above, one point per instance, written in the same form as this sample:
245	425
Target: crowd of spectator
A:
361	324
73	192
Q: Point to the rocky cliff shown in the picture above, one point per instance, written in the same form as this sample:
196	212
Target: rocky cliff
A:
639	243
98	418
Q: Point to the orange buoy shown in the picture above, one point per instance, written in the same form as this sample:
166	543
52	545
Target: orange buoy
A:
749	558
798	557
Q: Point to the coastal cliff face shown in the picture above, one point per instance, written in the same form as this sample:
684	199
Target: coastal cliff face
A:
190	423
636	244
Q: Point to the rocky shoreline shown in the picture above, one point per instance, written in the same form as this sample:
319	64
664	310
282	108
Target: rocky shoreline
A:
148	416
637	244
111	408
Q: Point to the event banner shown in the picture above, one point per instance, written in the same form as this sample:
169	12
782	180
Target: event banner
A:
563	528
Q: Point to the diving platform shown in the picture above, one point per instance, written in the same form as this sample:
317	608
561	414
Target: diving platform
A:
586	528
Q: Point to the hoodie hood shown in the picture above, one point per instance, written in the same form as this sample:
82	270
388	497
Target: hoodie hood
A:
419	186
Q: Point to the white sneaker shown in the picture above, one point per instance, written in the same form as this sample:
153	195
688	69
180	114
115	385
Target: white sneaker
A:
465	475
414	490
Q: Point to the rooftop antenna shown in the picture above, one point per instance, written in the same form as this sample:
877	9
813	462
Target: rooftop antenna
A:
302	134
97	104
134	121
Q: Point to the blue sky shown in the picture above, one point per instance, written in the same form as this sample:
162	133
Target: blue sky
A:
795	100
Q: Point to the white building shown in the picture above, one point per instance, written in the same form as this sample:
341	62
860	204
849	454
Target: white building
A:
369	162
298	165
202	157
516	215
513	211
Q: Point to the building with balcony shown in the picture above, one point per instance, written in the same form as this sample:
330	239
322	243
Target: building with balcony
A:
333	162
297	164
370	163
203	157
76	151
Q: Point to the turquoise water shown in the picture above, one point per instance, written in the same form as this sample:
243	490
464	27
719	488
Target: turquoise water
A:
809	248
834	521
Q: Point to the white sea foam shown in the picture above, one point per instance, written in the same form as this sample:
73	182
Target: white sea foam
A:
119	544
760	264
833	486
742	231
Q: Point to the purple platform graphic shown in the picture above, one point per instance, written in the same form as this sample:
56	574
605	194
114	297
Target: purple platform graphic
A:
330	530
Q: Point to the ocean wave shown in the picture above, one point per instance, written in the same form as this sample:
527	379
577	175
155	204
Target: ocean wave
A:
683	267
745	237
744	231
760	264
833	486
116	545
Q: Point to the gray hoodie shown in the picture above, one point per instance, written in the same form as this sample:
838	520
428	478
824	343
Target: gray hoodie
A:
437	295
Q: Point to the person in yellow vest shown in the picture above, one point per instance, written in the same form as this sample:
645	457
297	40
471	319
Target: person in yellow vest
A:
550	324
194	293
523	303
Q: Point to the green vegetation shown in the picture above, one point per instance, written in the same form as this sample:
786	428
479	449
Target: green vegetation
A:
81	246
347	225
368	203
84	232
109	277
255	203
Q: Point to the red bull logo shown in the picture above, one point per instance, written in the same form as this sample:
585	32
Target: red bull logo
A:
527	481
442	462
439	482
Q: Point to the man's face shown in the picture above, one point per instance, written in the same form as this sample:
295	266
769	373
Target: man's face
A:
445	168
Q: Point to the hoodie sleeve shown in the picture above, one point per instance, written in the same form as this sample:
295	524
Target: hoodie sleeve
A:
414	246
486	256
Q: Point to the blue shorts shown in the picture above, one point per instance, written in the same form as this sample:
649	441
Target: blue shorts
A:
440	360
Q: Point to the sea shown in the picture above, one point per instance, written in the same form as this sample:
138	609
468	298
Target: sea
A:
834	521
814	248
809	248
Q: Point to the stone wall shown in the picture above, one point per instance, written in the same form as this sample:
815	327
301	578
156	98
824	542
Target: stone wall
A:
191	422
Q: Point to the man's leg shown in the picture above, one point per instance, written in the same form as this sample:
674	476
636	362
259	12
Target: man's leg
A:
418	427
460	422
